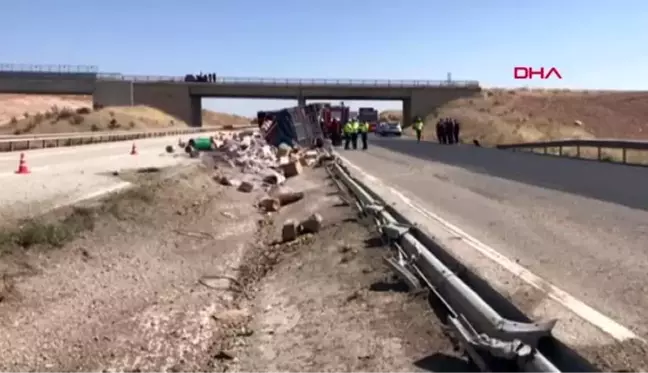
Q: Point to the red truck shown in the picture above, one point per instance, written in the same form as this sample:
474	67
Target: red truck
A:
334	118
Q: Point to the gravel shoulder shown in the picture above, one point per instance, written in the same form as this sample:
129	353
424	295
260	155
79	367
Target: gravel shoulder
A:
184	274
330	304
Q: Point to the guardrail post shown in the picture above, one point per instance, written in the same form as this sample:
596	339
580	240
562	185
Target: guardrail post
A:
624	152
28	144
545	150
560	151
577	151
598	150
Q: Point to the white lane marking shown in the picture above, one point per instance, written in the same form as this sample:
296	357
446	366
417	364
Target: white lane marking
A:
587	313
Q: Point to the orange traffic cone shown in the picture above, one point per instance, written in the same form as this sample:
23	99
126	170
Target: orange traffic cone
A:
133	150
22	165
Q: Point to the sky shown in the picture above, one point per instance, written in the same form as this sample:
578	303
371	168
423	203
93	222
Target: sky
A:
594	44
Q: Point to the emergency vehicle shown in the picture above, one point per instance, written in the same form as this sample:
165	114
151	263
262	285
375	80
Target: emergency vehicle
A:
333	120
370	115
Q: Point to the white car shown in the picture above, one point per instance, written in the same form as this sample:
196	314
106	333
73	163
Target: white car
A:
387	129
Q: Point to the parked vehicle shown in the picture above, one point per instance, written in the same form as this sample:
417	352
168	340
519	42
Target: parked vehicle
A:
390	129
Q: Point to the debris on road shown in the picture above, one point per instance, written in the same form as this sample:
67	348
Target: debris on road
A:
287	198
292	168
290	230
269	204
246	187
312	224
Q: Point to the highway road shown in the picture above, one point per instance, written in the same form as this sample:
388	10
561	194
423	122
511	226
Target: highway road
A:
581	225
61	176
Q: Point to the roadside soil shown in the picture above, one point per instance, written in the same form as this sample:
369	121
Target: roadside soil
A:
497	116
183	274
44	114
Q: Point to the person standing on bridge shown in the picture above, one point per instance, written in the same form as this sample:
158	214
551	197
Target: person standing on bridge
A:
418	128
363	128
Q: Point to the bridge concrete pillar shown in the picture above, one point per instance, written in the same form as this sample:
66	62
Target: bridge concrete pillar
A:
407	112
174	99
423	102
112	93
301	101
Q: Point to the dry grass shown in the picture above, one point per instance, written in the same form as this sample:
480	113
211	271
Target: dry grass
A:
212	118
14	107
507	116
54	231
26	114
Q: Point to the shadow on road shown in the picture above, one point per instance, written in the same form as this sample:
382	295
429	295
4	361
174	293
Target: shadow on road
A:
624	185
439	362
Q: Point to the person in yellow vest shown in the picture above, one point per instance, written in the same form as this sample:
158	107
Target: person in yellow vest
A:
418	128
364	133
355	127
348	131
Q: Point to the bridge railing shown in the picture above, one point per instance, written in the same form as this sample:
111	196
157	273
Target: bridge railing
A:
386	83
298	82
64	69
633	152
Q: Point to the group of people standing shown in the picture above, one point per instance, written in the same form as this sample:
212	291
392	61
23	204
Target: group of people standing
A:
202	78
351	130
447	130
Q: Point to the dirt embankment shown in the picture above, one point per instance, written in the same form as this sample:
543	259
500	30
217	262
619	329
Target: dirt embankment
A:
185	274
25	114
502	116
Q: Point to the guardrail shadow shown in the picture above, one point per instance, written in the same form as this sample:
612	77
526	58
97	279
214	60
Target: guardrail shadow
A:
616	183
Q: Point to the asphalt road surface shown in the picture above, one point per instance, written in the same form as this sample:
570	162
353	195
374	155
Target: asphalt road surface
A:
60	176
581	225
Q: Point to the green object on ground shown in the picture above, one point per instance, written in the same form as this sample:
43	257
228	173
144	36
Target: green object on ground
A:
202	143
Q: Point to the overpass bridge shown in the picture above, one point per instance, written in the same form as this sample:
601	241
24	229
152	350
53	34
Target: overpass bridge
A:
182	99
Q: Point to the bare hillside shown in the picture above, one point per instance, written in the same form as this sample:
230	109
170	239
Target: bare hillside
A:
499	116
213	118
24	114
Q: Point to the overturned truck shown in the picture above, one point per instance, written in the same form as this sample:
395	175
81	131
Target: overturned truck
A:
297	125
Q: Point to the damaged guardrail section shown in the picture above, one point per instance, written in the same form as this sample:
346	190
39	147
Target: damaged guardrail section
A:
489	339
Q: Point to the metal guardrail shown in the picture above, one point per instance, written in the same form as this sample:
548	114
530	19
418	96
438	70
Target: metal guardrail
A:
104	133
477	325
579	144
57	140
